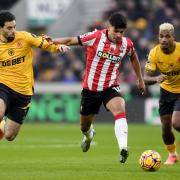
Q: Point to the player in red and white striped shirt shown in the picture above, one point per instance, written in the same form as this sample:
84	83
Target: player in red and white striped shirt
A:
105	50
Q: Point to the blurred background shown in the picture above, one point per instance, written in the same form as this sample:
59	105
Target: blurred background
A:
58	76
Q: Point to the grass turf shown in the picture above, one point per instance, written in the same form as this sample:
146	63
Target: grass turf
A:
52	152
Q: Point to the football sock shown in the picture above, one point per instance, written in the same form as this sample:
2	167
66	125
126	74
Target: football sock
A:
2	123
171	148
121	130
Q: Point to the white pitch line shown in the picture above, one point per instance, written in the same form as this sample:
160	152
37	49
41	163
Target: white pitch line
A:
31	146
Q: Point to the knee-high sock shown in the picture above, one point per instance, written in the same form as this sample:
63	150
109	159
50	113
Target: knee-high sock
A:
171	149
2	123
121	130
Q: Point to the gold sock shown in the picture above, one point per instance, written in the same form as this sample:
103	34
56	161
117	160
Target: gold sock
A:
2	123
171	148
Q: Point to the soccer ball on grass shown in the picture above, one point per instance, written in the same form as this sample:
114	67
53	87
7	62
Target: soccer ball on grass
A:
150	160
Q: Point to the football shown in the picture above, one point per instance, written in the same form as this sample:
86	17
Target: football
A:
150	160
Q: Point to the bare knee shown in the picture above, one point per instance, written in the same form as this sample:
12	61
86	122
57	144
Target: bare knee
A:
11	130
176	120
9	136
176	125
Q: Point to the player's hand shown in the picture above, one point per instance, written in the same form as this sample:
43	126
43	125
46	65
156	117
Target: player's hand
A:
63	48
161	78
47	38
141	86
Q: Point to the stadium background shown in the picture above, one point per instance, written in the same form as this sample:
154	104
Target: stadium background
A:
46	151
58	76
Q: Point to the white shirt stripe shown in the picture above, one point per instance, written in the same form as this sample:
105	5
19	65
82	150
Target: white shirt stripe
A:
123	49
95	61
106	65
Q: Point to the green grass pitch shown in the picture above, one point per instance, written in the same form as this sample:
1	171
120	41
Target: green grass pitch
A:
52	152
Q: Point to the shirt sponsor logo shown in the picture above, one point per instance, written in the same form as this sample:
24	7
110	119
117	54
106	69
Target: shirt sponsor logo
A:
12	62
172	73
108	56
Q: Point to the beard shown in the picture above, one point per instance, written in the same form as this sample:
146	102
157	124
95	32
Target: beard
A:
10	39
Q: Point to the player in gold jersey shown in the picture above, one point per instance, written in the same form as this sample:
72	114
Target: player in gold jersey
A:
165	57
16	73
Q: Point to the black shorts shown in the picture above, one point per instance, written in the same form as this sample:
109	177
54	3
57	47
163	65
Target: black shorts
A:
168	102
91	100
17	104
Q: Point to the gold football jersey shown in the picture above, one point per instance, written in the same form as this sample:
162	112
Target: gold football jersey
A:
168	64
16	69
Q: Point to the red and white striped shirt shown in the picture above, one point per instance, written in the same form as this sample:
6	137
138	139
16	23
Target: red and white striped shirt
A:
103	59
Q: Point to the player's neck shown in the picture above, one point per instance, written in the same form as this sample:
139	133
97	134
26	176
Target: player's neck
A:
170	49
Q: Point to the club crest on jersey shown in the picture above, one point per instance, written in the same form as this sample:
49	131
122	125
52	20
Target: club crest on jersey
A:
19	44
108	56
178	59
11	52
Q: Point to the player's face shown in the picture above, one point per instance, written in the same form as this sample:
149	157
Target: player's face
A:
166	39
115	34
8	30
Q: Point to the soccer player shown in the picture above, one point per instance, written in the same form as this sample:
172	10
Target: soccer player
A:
105	50
16	73
165	57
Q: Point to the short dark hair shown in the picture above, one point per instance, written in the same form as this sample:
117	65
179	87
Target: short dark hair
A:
6	16
117	20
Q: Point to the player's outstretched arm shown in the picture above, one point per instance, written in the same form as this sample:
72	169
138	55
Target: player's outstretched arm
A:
69	41
137	68
150	79
63	48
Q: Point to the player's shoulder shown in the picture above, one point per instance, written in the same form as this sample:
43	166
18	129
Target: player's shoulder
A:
178	45
127	38
25	34
154	53
21	33
99	32
128	41
156	49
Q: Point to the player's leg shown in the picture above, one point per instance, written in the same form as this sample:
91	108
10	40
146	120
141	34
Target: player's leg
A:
176	120
169	139
17	111
2	112
11	129
88	131
90	105
117	107
166	104
116	104
176	115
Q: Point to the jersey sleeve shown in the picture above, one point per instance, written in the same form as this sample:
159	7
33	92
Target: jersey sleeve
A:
88	38
130	48
151	64
39	42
